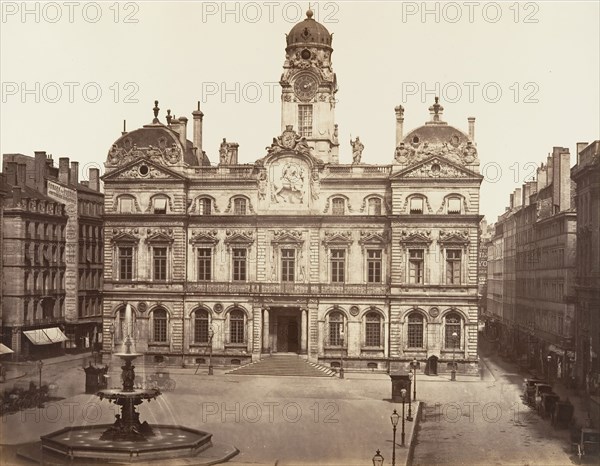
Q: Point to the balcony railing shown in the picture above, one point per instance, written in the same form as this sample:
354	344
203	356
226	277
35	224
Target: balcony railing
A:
357	289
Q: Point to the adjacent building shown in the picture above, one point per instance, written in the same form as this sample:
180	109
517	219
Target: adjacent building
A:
295	252
531	274
586	174
47	214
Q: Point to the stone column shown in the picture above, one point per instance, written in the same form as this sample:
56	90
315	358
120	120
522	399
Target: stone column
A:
265	329
303	331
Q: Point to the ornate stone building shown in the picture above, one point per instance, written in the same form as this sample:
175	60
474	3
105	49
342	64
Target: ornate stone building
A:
295	252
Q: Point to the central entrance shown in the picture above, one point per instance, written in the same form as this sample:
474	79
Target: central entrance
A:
284	330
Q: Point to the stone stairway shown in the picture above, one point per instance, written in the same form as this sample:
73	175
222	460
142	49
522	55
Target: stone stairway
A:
284	365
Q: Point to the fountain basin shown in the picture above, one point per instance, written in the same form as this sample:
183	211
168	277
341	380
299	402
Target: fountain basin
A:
81	443
136	393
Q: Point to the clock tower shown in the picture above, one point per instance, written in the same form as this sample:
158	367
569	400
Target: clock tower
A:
308	87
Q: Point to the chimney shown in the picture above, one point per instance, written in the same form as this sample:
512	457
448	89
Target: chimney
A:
561	183
22	174
580	147
471	121
124	132
512	201
233	153
526	193
198	115
94	179
183	131
17	194
518	198
399	124
542	178
10	169
64	173
41	166
74	173
549	170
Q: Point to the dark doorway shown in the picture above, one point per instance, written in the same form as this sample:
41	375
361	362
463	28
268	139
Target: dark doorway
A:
293	344
287	333
431	366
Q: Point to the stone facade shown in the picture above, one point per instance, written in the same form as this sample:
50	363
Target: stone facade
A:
295	252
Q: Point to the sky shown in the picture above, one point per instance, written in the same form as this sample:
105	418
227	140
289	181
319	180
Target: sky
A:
529	72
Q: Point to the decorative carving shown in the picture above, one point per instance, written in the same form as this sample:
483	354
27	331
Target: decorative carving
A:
130	235
204	236
291	187
436	169
262	184
354	311
338	237
370	237
454	237
230	205
434	312
239	236
280	236
315	185
142	306
193	207
415	236
453	150
137	172
130	152
159	235
289	140
218	308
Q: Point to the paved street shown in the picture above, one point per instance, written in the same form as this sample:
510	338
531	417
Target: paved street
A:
324	421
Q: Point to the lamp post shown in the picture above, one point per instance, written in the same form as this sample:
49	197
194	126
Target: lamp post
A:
453	372
40	365
112	337
409	418
342	354
414	365
549	359
378	459
395	417
403	393
211	334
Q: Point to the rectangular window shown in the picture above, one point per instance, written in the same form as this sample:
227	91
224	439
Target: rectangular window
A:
453	266
160	326
338	265
416	205
160	263
374	265
239	265
204	264
160	205
288	265
205	206
338	206
454	206
126	205
239	206
126	263
305	120
416	266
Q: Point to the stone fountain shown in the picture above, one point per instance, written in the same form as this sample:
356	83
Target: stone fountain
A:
128	439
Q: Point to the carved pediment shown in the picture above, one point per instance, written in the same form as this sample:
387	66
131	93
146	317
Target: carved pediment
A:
415	236
125	235
372	237
142	170
159	235
239	236
287	236
338	237
167	152
459	237
204	237
437	167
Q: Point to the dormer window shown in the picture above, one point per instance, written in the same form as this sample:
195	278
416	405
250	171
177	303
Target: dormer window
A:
416	205
454	205
374	206
338	206
205	206
159	205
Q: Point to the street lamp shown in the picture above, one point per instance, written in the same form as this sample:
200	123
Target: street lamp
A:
409	418
112	337
395	417
549	359
211	334
342	354
403	393
378	459
453	372
414	366
40	365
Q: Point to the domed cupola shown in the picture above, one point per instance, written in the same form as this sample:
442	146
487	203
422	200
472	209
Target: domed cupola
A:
309	32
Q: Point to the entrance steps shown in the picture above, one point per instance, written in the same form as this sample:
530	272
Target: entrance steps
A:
284	365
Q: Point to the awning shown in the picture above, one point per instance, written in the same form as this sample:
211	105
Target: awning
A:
5	349
45	336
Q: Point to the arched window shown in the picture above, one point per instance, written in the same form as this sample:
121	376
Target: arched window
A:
159	324
201	326
454	205
126	204
159	204
336	329
415	330
239	206
453	325
374	206
416	205
236	326
373	329
338	206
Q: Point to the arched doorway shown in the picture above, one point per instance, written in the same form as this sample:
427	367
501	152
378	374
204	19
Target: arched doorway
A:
431	366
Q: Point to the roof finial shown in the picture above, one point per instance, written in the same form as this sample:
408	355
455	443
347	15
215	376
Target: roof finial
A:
155	109
436	106
309	12
169	117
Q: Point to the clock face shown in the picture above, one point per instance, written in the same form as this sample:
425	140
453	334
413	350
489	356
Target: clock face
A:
305	87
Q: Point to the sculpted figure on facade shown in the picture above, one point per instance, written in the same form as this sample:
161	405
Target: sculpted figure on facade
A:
403	154
357	150
315	185
224	152
291	185
262	184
